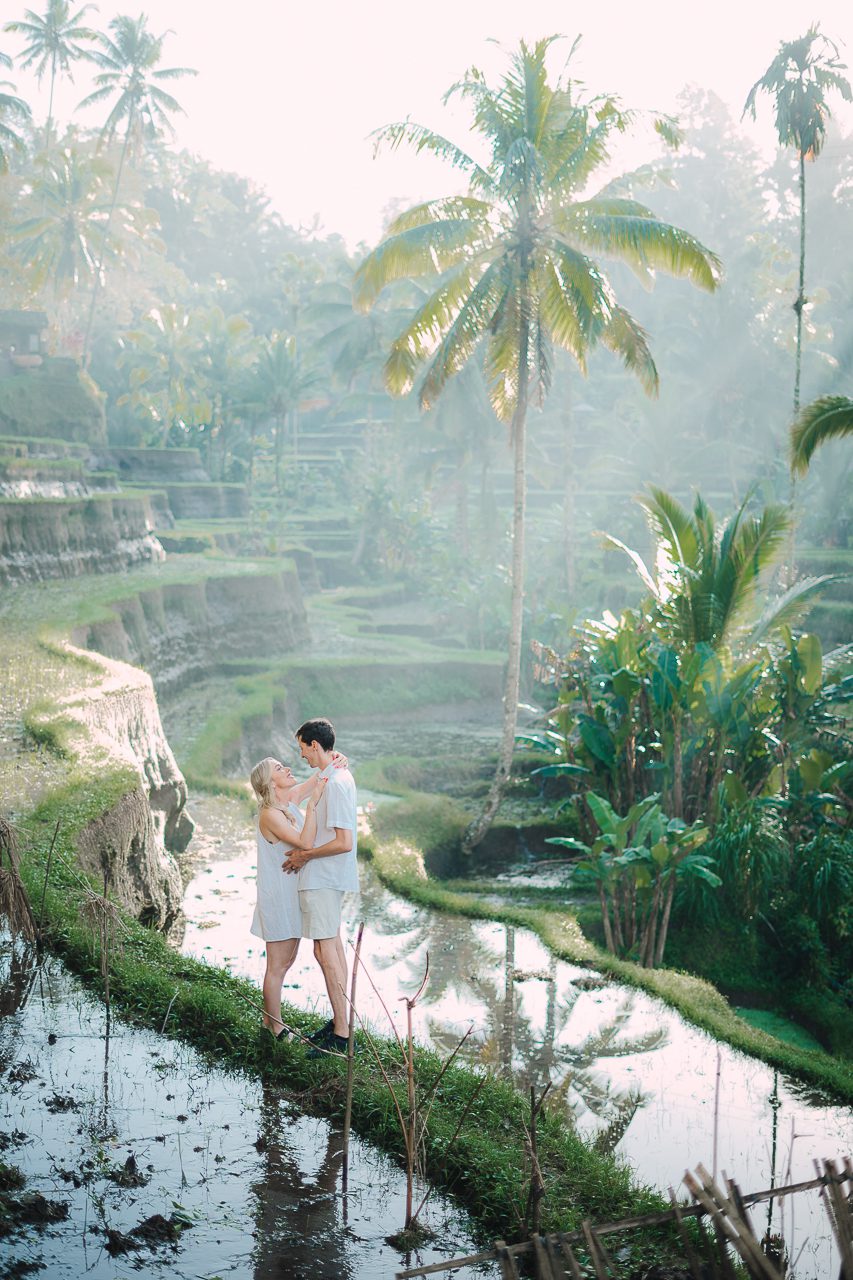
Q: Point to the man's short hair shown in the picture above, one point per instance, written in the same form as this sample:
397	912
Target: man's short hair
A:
321	731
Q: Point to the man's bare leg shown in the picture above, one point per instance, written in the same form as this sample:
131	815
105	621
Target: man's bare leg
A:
329	954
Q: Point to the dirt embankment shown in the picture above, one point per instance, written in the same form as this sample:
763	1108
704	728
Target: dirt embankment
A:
116	722
185	630
71	537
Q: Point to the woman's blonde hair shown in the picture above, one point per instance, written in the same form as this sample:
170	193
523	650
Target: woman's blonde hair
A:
260	778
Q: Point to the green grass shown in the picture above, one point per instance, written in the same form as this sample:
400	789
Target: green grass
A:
775	1024
217	1012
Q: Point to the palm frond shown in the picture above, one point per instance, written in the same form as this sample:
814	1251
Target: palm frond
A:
672	524
473	321
790	608
423	250
648	243
615	544
423	139
828	418
626	338
451	208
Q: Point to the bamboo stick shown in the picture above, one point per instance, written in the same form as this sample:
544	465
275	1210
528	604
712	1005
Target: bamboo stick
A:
567	1239
350	1062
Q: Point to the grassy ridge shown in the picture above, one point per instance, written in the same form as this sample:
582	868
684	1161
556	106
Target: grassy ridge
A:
211	1009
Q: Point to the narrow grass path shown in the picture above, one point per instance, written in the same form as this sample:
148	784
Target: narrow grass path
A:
476	1145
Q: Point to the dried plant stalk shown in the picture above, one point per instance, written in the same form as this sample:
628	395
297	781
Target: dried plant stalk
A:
14	900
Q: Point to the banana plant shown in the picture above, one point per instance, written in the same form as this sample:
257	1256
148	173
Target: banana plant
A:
634	865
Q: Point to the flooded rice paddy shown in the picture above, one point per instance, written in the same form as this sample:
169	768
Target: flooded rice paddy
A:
166	1165
631	1073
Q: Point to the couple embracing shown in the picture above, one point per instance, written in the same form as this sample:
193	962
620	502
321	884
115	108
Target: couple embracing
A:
306	863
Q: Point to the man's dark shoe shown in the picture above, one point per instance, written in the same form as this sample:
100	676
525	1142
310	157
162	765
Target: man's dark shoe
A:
317	1037
331	1044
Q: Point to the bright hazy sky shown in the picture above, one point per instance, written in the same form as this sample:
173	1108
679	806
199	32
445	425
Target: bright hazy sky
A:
287	93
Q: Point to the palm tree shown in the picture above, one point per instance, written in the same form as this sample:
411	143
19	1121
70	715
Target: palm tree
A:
165	378
515	274
799	78
12	109
822	420
55	39
279	386
63	241
129	58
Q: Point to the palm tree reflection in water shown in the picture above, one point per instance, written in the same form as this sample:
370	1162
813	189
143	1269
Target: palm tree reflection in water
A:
515	1041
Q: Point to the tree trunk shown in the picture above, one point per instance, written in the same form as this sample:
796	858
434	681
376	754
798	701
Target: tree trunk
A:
678	769
96	285
569	504
801	298
605	920
478	828
664	924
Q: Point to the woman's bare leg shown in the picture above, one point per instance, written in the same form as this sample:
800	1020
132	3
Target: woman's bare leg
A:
280	956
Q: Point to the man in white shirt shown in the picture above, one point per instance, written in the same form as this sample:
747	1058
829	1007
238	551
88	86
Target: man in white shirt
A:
326	873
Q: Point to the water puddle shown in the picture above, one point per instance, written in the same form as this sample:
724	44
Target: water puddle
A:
168	1165
633	1075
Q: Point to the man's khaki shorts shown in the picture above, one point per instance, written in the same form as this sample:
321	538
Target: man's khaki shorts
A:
321	912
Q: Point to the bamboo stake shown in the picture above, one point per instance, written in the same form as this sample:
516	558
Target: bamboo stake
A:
698	1210
684	1236
597	1256
350	1061
509	1270
568	1254
838	1208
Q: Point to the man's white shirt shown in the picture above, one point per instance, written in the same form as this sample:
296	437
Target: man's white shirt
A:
337	807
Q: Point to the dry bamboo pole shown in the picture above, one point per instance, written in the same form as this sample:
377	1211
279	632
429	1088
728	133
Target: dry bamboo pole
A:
350	1062
541	1260
684	1236
537	1182
567	1239
555	1258
837	1206
729	1225
597	1253
568	1254
509	1269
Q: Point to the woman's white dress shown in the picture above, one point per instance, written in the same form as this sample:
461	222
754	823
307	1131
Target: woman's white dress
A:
277	915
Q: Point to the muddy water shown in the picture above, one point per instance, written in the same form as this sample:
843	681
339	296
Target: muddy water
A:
634	1075
252	1185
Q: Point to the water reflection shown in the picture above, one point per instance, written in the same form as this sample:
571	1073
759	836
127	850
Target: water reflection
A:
634	1076
151	1126
299	1214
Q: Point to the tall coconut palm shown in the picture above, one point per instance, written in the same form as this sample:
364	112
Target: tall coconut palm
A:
516	273
60	239
828	418
131	75
13	113
799	79
55	39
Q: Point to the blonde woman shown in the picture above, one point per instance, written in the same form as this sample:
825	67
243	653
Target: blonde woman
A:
281	827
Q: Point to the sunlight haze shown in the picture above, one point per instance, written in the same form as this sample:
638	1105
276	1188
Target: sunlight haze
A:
288	94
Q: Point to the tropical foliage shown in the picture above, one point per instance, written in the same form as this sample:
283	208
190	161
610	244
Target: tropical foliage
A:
635	864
